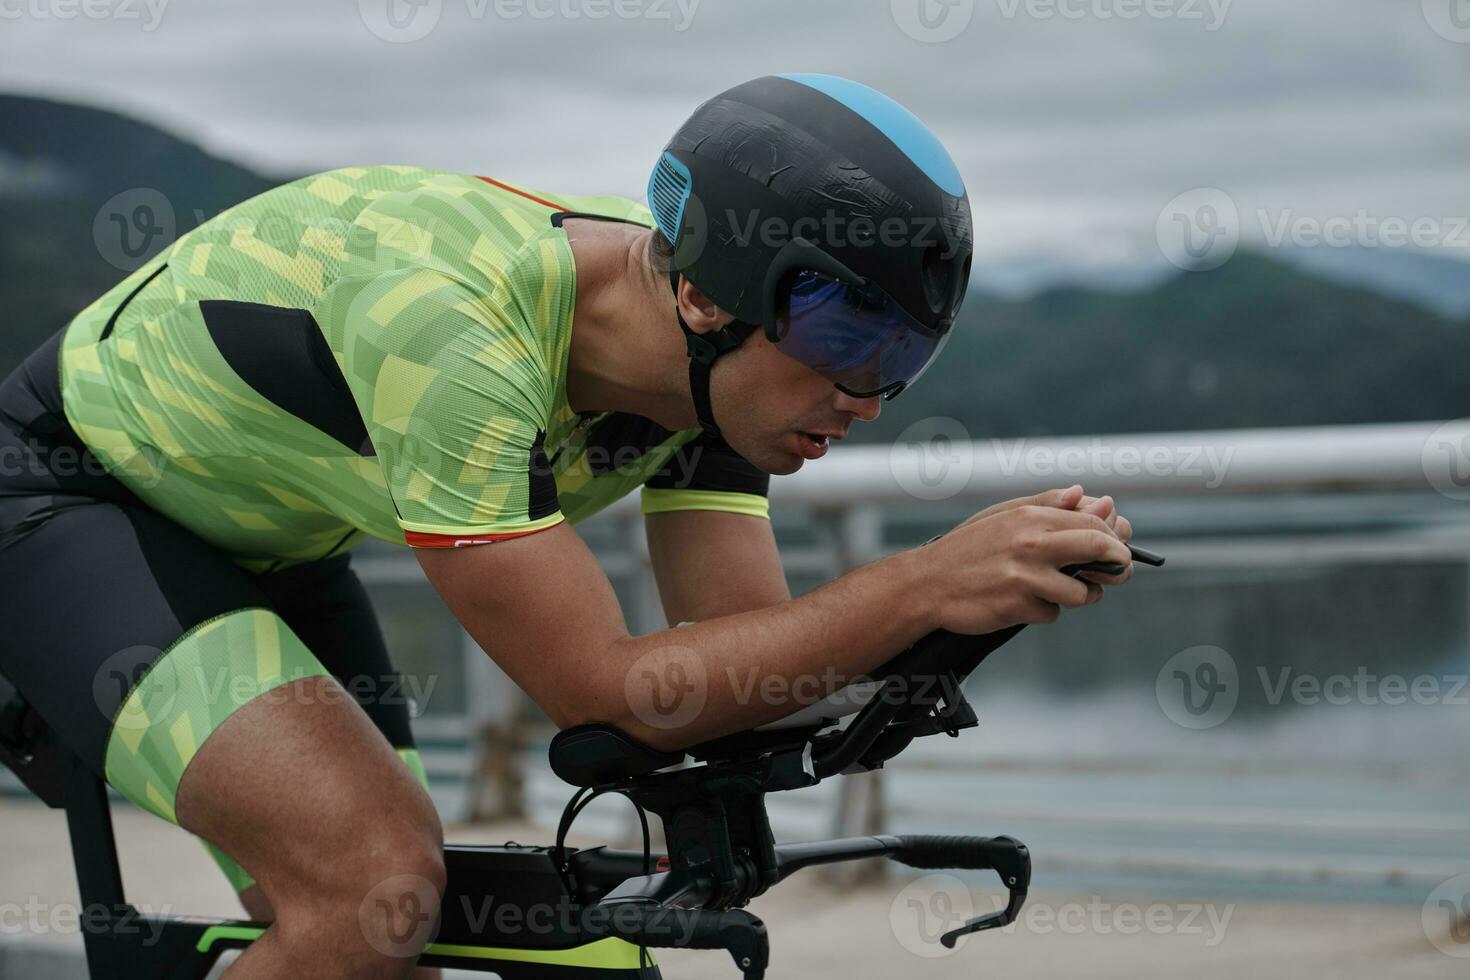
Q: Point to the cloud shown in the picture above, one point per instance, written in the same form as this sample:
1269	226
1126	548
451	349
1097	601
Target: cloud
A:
1069	130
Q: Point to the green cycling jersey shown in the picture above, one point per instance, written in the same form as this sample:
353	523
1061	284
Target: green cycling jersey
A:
373	351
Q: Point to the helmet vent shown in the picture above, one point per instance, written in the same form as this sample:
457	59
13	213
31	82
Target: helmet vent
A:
668	192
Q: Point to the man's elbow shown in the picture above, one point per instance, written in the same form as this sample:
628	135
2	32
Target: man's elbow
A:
663	739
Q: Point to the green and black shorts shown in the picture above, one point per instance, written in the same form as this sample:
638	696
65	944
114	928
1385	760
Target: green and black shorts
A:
134	638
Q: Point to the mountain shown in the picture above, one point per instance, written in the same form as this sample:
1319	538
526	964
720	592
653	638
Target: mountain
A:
1442	284
1253	343
86	195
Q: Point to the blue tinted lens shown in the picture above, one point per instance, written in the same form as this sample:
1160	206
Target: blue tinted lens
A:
857	335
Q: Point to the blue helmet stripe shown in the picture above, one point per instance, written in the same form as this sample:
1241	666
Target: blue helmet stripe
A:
894	121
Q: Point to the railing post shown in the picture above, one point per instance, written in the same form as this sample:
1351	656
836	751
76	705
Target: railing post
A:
496	720
646	607
856	536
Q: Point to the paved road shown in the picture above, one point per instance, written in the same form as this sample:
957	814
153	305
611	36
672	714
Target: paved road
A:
876	930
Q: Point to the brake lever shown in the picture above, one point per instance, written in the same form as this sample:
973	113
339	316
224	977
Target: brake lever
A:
1012	861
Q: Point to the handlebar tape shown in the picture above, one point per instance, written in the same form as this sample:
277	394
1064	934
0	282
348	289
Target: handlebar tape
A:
960	852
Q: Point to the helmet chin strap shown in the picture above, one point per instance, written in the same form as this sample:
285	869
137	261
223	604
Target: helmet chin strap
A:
704	349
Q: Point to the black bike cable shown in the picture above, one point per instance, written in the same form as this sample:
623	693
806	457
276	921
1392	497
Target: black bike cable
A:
569	814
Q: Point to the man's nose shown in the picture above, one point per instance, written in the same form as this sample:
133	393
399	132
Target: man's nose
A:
866	409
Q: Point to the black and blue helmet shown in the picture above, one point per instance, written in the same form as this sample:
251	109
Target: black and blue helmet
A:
825	213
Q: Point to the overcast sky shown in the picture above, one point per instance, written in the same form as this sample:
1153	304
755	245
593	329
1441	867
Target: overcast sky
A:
1074	122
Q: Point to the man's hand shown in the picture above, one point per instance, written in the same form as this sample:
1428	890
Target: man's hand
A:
1073	498
1003	566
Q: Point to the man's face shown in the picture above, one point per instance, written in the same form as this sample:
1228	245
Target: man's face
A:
777	412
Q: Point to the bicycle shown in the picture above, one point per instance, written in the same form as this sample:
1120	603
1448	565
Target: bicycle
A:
614	905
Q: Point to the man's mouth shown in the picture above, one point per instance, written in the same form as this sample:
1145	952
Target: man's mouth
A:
813	445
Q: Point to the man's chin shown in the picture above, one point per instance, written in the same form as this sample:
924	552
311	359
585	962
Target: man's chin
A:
776	462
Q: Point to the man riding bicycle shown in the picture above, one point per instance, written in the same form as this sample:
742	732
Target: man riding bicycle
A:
470	367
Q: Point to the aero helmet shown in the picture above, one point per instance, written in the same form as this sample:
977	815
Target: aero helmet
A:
825	213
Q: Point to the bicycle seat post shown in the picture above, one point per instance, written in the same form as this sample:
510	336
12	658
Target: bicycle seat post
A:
94	852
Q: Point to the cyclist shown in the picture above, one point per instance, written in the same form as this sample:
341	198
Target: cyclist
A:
470	367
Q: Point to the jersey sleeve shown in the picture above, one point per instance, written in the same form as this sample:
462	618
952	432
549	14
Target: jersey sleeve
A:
706	474
455	393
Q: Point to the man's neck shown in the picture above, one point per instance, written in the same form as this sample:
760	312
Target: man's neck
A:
626	355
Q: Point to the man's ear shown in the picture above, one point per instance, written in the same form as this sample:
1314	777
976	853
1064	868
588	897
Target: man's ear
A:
700	312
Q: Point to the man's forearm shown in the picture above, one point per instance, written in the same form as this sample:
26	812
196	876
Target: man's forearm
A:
681	686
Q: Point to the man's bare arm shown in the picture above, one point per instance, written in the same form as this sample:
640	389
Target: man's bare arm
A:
709	563
543	609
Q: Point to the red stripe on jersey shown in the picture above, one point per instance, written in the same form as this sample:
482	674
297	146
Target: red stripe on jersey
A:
424	539
530	197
